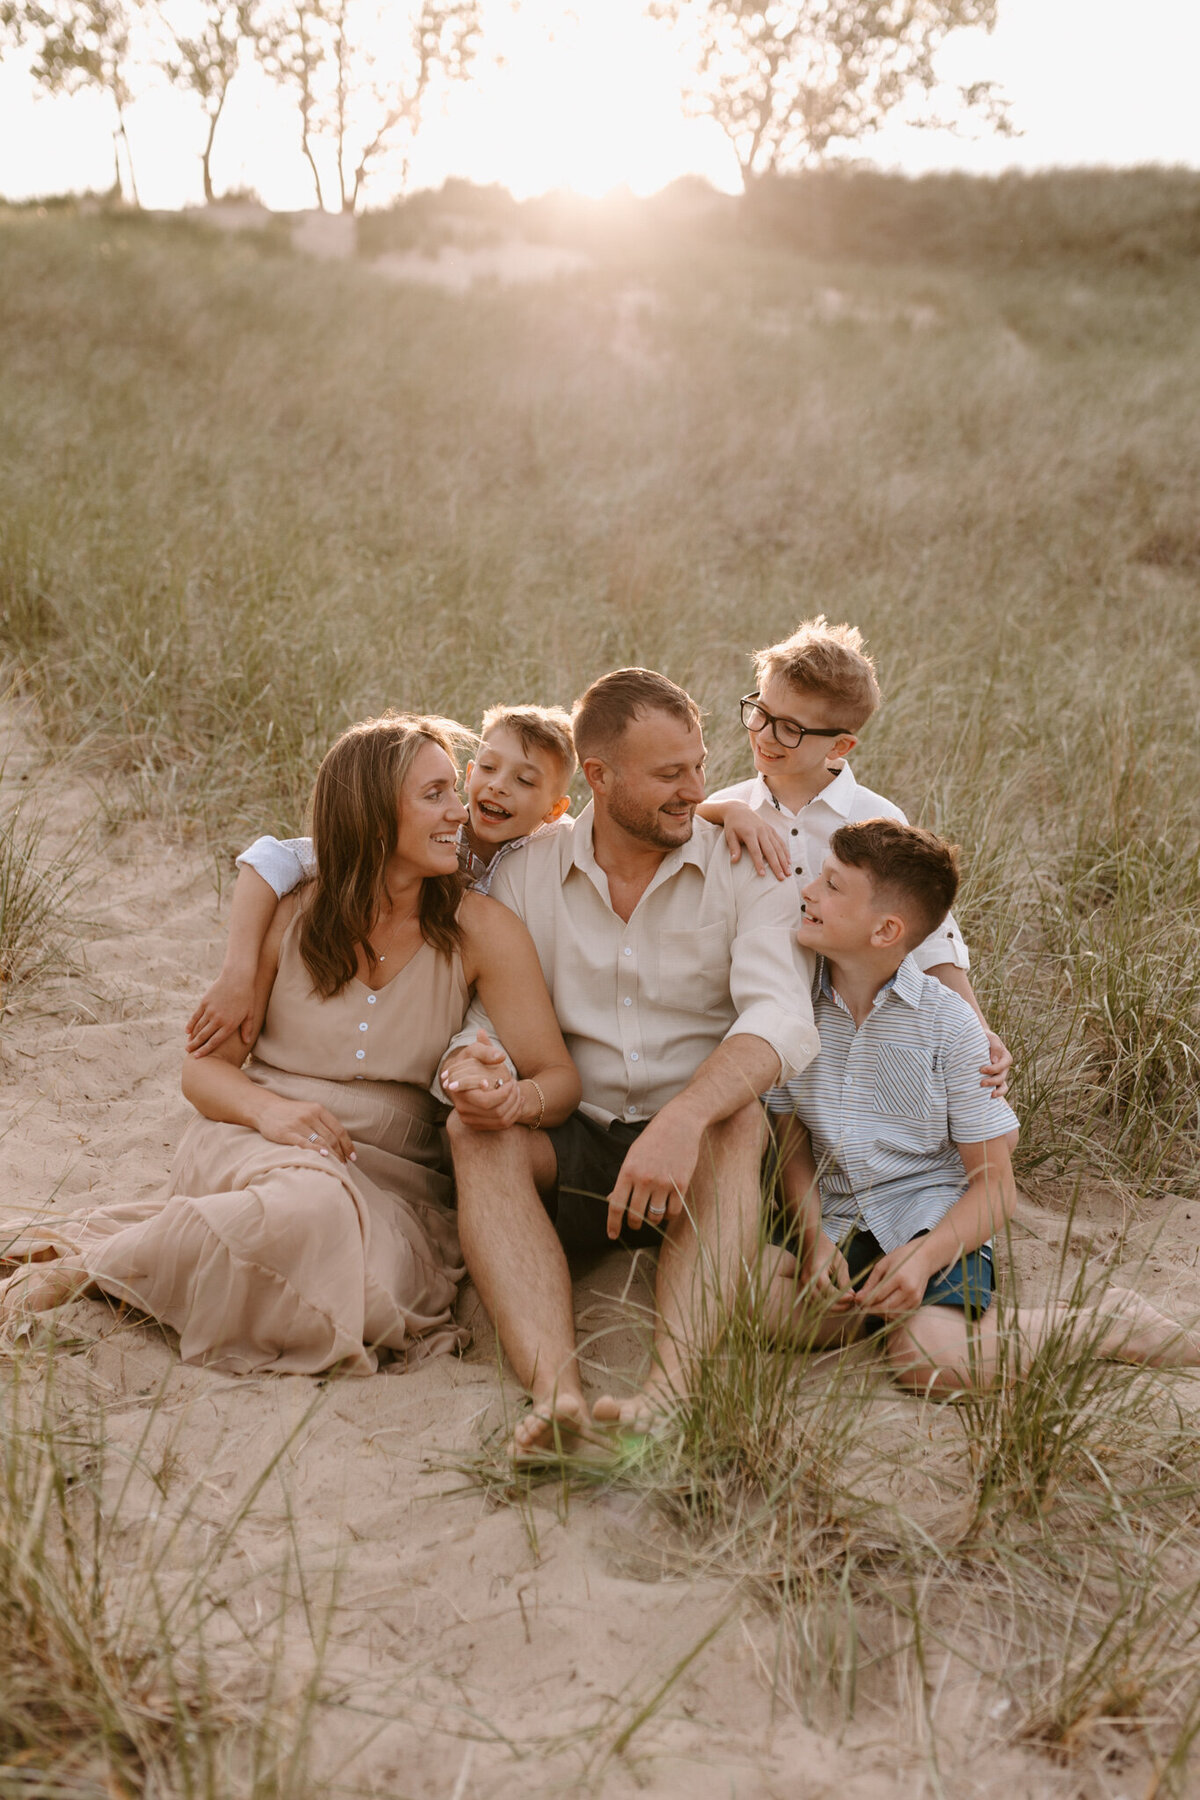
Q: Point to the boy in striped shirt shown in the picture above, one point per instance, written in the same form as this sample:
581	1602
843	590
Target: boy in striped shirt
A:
895	1164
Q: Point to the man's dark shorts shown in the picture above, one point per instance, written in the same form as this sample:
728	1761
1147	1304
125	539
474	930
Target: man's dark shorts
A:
589	1159
967	1283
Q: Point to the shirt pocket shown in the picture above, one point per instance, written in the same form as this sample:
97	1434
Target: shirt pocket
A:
692	969
906	1087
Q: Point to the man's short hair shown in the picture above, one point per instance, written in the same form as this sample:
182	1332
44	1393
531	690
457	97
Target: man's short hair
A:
610	705
537	728
829	660
912	869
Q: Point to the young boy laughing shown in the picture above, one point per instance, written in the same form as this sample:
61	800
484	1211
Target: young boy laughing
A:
901	1174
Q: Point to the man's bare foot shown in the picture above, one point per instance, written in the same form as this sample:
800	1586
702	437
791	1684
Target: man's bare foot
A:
640	1413
40	1287
1139	1333
552	1425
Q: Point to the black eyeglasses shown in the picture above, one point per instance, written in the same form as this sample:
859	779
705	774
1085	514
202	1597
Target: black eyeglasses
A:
787	732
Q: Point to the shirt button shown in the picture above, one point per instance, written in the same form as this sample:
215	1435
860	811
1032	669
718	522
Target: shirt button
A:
370	999
849	1081
799	871
627	1001
627	951
795	831
633	1056
360	1054
631	1109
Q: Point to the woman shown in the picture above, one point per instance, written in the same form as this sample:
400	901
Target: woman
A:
306	1224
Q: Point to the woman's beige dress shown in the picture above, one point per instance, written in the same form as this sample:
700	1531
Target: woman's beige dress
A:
263	1256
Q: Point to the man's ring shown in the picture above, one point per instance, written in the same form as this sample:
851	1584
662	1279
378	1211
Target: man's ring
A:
313	1136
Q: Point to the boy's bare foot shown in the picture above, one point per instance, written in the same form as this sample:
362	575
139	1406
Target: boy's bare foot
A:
1139	1333
40	1287
551	1426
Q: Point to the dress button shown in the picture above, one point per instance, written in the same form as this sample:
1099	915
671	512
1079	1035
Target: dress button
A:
360	1054
370	999
631	1109
627	951
627	1001
363	1026
633	1056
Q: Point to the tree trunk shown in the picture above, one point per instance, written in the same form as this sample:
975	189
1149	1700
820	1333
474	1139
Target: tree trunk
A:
121	133
312	163
206	153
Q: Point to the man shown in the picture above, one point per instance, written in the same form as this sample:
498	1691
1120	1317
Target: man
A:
682	996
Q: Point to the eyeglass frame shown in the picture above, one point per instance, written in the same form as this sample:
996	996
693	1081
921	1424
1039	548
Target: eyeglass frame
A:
774	721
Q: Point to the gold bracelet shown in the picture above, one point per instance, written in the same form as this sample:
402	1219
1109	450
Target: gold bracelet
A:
541	1104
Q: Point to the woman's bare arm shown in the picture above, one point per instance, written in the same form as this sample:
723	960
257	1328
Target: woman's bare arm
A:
501	963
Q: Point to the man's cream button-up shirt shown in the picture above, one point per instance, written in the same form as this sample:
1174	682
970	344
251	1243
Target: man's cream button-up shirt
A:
709	952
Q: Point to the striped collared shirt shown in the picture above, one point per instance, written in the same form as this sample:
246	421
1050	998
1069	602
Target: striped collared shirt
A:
885	1104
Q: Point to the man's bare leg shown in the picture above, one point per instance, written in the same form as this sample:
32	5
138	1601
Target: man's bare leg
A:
514	1258
938	1353
702	1261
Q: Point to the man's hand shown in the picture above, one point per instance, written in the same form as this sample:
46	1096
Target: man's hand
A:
763	844
226	1007
656	1173
477	1084
824	1271
995	1072
895	1287
305	1123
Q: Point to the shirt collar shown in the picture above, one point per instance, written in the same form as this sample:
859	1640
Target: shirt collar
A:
583	851
907	984
839	795
840	792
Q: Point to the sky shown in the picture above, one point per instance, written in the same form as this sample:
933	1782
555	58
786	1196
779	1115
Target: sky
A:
588	95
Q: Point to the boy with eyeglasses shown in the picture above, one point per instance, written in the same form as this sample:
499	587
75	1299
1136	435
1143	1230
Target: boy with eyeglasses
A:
815	690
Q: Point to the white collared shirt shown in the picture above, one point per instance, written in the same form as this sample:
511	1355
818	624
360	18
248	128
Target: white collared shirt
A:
807	834
886	1103
709	952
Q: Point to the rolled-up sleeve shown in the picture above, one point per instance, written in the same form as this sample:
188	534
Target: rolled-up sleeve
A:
770	976
283	863
945	945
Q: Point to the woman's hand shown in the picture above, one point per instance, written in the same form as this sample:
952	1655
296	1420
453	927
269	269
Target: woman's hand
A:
762	843
477	1083
228	1006
305	1123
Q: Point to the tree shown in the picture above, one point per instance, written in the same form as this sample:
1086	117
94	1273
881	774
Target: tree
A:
364	73
207	63
88	43
785	81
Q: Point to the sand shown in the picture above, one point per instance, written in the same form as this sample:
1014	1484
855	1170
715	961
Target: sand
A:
470	1647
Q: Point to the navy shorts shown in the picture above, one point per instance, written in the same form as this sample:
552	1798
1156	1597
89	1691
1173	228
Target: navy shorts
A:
589	1157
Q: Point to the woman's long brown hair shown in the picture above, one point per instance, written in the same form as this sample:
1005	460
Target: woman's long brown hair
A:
355	824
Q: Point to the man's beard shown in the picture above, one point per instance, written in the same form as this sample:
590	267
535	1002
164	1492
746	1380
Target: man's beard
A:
646	823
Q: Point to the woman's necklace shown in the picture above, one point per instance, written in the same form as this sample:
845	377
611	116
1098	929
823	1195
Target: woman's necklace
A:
389	934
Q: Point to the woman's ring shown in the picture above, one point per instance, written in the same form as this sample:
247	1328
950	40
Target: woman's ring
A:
313	1136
